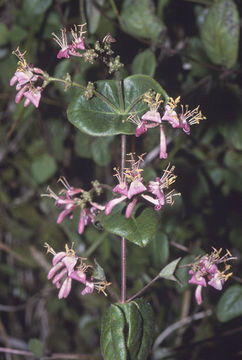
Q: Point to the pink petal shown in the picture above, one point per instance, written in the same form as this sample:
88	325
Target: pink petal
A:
88	289
54	270
130	208
59	276
79	276
152	116
163	153
112	203
70	262
65	288
198	294
58	257
136	187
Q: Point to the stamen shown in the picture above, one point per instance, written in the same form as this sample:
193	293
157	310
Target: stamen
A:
49	249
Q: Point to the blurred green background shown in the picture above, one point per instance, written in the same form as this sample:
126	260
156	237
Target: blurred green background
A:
192	48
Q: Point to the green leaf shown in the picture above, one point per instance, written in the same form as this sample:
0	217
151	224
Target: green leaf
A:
18	33
168	271
126	331
138	18
100	150
148	327
230	304
97	118
36	347
144	63
220	33
233	132
134	323
93	15
43	168
112	339
36	7
159	249
139	230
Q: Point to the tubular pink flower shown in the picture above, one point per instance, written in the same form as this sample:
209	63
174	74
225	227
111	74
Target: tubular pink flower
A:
112	203
79	276
141	129
59	276
54	270
198	294
64	213
78	42
130	208
163	153
65	288
88	289
171	116
217	281
58	257
33	95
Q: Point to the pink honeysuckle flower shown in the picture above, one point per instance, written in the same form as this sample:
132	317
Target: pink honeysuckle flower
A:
88	289
130	185
184	119
62	42
24	78
152	115
70	201
77	34
205	271
33	95
68	267
157	188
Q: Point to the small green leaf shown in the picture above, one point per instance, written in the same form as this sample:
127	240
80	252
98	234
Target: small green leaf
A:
112	338
43	168
159	249
93	15
99	118
98	272
168	271
36	347
138	18
230	304
144	63
139	230
220	33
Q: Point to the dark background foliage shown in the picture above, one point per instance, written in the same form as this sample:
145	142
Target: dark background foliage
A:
173	43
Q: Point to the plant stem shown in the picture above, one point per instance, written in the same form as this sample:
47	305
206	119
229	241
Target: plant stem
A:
115	9
123	240
120	91
96	93
144	288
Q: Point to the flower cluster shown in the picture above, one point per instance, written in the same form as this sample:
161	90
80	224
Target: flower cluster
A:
68	200
77	43
205	270
25	78
67	267
131	184
152	118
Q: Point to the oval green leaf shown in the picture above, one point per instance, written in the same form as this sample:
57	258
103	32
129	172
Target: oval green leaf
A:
230	304
220	33
138	18
147	314
139	230
112	334
103	116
